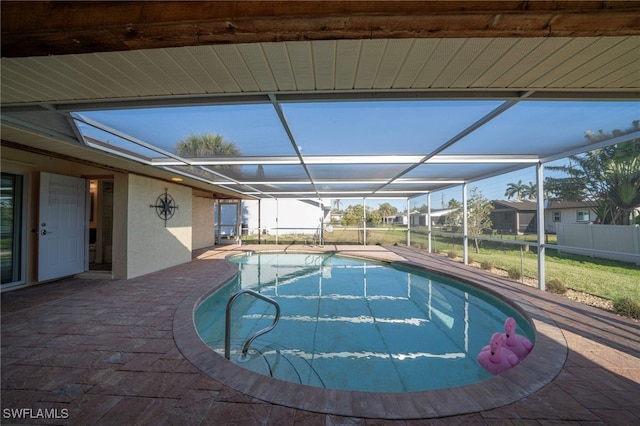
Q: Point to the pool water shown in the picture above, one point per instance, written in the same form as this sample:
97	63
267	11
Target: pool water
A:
355	324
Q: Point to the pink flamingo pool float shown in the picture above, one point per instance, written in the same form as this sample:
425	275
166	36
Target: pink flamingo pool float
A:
519	345
495	357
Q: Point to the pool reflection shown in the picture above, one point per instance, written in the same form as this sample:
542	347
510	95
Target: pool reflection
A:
357	325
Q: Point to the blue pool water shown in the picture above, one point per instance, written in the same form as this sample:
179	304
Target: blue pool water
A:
355	324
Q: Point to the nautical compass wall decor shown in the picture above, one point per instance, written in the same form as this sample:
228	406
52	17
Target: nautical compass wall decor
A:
165	206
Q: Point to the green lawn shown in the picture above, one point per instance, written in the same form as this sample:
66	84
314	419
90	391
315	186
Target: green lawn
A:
608	279
604	278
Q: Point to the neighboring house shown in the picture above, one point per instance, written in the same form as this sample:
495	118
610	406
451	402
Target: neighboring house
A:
438	217
398	219
335	217
518	216
566	212
514	216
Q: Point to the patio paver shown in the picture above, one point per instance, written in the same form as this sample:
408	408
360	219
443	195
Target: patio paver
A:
105	350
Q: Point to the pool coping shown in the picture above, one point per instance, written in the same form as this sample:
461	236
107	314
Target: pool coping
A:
538	369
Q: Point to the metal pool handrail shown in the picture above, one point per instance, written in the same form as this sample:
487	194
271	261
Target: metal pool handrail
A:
227	325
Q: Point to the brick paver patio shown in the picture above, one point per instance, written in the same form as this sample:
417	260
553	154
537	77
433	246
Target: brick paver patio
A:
91	351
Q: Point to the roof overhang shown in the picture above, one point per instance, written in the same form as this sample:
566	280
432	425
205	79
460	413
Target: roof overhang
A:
63	61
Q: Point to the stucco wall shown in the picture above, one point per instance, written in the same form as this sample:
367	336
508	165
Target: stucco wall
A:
150	245
202	222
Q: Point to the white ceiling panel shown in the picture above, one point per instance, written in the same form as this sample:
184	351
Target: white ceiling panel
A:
35	79
93	68
530	59
22	87
200	80
440	58
218	70
324	64
416	59
278	57
621	65
79	74
488	52
395	54
493	75
557	63
347	54
55	73
631	80
234	62
571	58
559	60
258	65
302	64
171	73
165	74
108	74
465	54
371	53
127	67
604	56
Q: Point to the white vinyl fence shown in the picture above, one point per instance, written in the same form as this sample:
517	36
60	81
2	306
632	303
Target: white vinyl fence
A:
614	242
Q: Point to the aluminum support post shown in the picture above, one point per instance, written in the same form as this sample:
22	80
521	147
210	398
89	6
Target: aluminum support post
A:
465	236
541	242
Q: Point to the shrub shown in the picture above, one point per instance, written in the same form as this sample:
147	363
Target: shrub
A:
555	286
514	273
452	255
486	265
627	306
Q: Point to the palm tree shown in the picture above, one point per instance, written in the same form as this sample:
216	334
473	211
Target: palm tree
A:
607	178
530	191
514	190
337	202
387	210
623	182
207	145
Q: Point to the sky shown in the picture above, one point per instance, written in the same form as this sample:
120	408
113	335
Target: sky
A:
382	127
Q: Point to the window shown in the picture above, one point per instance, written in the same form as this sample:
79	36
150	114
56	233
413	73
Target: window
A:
583	216
11	228
557	217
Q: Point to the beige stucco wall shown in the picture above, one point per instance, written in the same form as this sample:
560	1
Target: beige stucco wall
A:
150	246
202	221
120	218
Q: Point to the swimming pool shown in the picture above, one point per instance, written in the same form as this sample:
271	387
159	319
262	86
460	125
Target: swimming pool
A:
355	324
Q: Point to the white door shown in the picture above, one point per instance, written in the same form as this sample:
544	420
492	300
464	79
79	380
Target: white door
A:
61	233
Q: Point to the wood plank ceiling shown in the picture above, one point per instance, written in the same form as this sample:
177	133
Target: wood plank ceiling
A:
39	28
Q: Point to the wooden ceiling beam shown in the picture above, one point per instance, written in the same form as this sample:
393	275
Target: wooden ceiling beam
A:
70	27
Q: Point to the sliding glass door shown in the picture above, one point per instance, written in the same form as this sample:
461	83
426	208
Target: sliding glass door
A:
11	229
